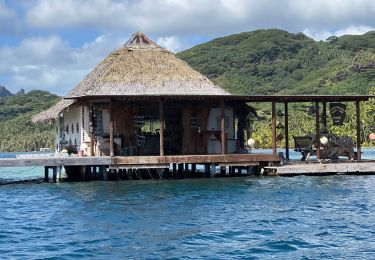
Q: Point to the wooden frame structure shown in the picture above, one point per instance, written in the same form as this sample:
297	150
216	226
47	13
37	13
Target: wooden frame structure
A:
162	158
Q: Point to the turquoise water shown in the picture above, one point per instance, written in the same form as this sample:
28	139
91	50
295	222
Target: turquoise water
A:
220	218
255	218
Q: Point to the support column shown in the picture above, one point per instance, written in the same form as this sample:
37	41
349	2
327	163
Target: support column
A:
91	130
274	150
46	178
161	131
222	126
286	129
54	176
317	130
111	130
358	125
324	115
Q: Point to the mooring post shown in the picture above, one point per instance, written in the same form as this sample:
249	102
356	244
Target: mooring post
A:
46	178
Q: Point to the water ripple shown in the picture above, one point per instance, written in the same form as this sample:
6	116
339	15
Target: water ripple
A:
253	218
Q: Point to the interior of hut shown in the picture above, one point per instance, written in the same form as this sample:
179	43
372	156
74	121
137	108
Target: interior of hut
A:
190	127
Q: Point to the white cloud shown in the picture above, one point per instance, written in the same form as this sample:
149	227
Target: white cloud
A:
9	23
171	43
209	17
52	64
324	34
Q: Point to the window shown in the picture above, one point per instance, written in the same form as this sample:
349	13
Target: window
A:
67	129
77	128
72	129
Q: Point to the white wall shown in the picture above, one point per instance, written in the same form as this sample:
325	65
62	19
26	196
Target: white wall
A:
69	120
213	144
214	124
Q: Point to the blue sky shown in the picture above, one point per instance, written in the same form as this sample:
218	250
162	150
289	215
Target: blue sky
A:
53	44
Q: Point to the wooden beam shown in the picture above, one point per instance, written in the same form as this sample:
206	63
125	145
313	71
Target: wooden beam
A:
111	130
286	129
317	129
358	126
274	149
55	161
324	115
200	159
161	131
222	126
91	130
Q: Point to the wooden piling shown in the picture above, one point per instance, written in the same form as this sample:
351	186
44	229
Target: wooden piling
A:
46	178
54	178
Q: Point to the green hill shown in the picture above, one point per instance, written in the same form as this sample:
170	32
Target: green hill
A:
18	133
277	62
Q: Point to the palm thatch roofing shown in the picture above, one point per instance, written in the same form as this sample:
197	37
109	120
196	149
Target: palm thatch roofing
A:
139	68
53	112
143	68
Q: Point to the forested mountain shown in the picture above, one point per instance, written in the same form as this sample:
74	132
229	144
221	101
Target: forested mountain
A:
261	62
17	132
277	62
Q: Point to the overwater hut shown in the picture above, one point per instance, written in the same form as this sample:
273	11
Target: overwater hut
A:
143	101
146	108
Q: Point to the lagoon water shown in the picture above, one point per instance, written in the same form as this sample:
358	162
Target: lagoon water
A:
221	218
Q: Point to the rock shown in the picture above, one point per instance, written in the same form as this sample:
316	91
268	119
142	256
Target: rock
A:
4	92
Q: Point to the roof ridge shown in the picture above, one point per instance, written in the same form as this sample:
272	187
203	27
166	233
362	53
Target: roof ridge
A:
140	40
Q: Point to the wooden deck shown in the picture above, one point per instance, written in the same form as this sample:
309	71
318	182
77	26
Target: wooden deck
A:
316	168
141	161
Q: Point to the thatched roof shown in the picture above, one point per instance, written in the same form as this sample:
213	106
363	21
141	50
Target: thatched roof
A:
141	67
53	112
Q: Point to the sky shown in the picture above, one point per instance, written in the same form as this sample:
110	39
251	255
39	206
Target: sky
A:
53	44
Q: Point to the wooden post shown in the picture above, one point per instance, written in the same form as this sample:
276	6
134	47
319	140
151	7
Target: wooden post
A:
161	131
193	168
111	130
91	130
222	126
317	130
54	176
274	150
358	125
174	170
286	129
324	115
46	178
